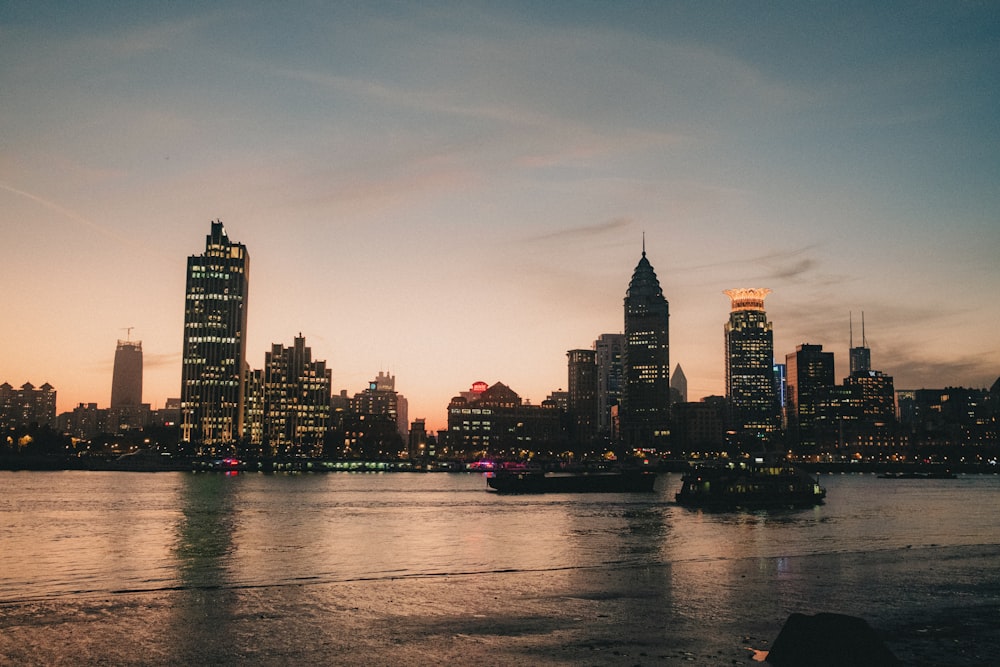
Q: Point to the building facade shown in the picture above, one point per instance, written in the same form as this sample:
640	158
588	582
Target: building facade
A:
582	407
808	376
644	413
494	422
609	349
214	353
749	365
27	405
296	401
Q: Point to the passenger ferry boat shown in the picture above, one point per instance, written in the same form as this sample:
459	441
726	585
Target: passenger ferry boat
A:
751	484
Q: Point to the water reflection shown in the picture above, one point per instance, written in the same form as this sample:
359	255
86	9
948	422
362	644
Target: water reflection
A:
205	530
203	549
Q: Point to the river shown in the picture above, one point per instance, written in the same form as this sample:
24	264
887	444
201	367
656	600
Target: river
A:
348	568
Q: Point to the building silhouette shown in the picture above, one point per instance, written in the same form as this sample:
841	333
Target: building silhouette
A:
214	354
679	385
582	406
809	376
127	411
608	349
645	409
874	396
860	357
750	389
126	381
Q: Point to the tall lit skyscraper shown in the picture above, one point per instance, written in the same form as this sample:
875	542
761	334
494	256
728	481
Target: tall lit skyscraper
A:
215	322
750	365
126	380
645	409
809	373
296	400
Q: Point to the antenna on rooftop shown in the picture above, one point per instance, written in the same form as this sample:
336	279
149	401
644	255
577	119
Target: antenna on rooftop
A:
864	341
128	333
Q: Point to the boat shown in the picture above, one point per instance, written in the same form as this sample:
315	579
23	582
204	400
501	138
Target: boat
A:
756	484
919	474
539	481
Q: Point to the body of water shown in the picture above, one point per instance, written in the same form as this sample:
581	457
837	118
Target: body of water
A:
439	546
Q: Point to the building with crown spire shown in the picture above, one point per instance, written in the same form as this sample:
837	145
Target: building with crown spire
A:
644	413
750	387
214	353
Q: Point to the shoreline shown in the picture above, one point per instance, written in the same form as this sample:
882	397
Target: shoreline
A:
151	464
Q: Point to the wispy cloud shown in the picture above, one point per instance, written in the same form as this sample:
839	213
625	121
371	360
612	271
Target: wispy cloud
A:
82	221
583	231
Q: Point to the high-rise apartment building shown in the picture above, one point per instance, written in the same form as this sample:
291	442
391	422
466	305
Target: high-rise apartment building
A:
126	380
809	373
645	408
750	365
214	354
27	405
582	396
609	349
296	402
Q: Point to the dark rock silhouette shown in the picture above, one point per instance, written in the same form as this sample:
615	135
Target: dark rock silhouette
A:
829	640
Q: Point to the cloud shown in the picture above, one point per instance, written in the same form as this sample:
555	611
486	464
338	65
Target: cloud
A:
82	220
583	231
152	361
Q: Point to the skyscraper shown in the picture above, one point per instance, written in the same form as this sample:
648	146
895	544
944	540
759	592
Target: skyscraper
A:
215	322
679	384
609	349
874	392
645	409
126	380
582	396
809	372
861	357
750	365
296	401
127	410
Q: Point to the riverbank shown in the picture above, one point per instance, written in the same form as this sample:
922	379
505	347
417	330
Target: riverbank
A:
157	463
933	606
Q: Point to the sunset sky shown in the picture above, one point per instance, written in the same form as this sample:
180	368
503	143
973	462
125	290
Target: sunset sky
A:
453	192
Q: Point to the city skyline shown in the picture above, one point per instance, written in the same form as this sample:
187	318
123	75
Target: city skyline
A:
456	193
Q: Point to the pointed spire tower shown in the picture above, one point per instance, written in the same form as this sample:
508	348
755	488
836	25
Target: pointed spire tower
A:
861	357
645	409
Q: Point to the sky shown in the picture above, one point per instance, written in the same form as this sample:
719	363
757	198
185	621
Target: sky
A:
458	191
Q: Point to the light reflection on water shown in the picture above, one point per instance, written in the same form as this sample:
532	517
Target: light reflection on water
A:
71	532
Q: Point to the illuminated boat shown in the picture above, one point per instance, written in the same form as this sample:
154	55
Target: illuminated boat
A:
538	481
753	484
